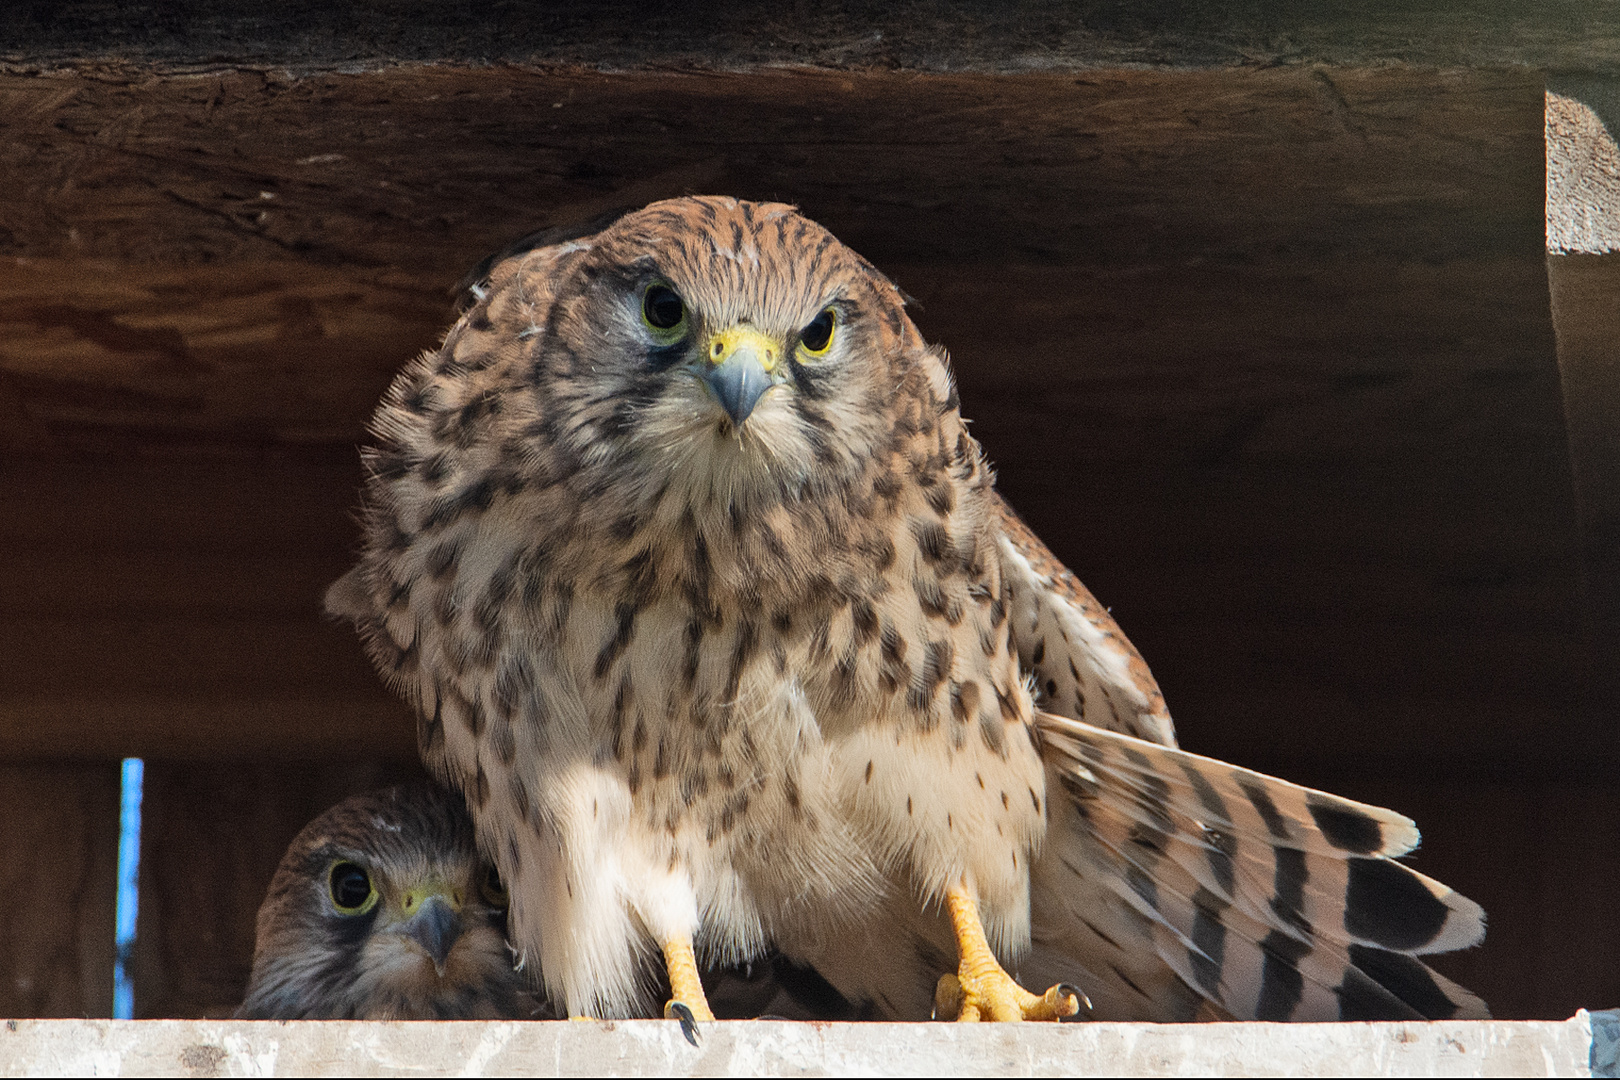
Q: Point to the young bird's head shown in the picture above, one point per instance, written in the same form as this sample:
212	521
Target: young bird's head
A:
382	909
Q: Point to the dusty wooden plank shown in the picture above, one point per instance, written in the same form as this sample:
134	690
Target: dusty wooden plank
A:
246	352
212	837
426	169
948	35
58	864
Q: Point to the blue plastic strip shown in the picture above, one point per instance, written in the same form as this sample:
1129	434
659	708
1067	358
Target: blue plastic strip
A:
129	871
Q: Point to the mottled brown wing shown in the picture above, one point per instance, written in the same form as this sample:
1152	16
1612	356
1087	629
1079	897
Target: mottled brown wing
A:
1084	666
1173	886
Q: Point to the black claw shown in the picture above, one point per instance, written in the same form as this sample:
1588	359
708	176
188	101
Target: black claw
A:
1079	995
689	1026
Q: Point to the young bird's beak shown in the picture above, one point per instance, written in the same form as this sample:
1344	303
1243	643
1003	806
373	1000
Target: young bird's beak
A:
434	923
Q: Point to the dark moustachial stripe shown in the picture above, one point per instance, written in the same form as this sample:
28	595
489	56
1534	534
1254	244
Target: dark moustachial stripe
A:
1386	905
1406	978
663	357
1276	824
1281	984
1347	829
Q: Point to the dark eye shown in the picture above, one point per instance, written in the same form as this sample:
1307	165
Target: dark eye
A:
492	888
351	888
662	308
817	336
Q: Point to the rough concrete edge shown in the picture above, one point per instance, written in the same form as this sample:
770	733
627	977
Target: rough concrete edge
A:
645	1047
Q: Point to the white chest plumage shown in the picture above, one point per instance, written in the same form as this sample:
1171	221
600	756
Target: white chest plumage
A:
761	776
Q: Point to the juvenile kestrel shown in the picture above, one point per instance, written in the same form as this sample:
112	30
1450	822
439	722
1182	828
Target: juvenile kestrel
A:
682	551
382	909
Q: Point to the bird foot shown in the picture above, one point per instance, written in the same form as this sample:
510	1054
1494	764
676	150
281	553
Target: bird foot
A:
981	989
680	1010
993	995
687	1003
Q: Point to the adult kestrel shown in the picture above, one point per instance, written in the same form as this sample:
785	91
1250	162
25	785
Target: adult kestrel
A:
682	551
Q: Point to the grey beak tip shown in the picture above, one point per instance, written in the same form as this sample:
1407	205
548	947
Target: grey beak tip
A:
738	383
435	927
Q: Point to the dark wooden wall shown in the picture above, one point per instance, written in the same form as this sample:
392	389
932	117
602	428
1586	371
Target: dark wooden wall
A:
1267	355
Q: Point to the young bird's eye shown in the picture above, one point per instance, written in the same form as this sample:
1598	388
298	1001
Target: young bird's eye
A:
492	888
351	888
816	337
662	308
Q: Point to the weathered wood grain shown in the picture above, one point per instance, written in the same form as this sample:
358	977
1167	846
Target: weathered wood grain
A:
986	36
58	867
169	605
427	169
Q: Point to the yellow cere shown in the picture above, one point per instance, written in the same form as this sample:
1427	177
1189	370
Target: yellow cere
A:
418	895
744	338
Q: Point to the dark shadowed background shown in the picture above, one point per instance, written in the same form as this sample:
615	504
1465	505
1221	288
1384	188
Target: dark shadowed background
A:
1251	308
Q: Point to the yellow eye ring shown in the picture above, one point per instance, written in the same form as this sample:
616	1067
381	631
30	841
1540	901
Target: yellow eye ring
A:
350	888
817	336
494	892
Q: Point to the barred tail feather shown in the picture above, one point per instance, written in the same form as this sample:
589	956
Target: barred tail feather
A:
1261	899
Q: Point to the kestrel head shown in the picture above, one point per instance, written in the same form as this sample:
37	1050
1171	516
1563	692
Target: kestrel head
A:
735	346
382	909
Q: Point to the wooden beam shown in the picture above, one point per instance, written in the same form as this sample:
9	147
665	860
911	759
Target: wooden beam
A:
1265	354
58	867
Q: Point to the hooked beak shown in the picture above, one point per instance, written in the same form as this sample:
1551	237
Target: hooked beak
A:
739	365
434	923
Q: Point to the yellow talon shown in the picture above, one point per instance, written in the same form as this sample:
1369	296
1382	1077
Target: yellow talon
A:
981	989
